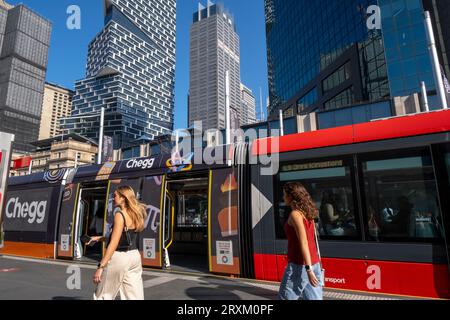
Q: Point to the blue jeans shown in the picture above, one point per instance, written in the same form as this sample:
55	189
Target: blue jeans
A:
296	283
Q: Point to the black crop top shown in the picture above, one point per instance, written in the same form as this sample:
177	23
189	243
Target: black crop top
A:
126	245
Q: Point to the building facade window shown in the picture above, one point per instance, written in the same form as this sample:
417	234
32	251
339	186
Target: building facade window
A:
354	115
345	98
307	100
405	40
336	78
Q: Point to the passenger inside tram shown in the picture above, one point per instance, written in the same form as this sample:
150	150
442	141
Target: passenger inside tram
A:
96	225
328	214
401	224
413	216
387	213
336	218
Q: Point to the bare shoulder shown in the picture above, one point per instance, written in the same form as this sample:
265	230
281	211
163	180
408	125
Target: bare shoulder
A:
118	219
297	215
296	218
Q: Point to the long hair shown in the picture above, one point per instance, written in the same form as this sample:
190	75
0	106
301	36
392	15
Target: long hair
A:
301	200
136	210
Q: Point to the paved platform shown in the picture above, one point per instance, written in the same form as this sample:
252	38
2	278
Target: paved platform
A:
31	279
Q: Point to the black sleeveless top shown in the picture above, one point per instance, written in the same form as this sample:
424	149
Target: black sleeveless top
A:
129	238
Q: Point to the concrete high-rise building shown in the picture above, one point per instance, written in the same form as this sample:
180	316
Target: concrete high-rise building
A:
130	72
248	106
214	50
24	44
57	105
327	57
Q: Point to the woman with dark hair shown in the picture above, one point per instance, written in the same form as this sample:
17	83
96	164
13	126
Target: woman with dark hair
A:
303	269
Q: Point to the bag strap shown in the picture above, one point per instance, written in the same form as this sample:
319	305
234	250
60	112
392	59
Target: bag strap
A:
126	229
124	221
316	236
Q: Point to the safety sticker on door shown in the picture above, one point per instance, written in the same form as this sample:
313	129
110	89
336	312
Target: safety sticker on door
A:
149	249
224	251
65	239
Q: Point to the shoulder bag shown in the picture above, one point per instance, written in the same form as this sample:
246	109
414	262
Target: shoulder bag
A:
322	278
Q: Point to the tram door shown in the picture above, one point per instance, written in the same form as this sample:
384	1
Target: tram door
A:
82	213
186	224
66	221
89	220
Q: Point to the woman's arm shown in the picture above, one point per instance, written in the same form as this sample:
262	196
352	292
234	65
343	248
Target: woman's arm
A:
330	212
115	239
97	239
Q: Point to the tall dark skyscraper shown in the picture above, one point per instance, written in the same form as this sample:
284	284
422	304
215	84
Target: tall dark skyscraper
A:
327	55
214	50
130	72
24	44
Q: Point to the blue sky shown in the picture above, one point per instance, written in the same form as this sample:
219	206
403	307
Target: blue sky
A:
68	51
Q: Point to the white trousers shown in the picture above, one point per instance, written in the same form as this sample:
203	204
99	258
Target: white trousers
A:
123	275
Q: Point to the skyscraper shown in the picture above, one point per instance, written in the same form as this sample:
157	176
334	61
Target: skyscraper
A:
214	50
130	72
248	106
57	104
24	44
328	55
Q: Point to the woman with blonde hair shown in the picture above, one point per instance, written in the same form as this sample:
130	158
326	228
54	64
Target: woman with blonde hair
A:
120	270
303	272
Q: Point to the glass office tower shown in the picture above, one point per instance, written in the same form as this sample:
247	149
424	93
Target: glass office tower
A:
327	55
406	46
130	72
24	44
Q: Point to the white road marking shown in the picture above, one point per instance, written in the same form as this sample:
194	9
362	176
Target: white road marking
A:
56	263
157	281
9	270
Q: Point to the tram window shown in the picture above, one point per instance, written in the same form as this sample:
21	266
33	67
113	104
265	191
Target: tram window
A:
192	211
401	198
330	186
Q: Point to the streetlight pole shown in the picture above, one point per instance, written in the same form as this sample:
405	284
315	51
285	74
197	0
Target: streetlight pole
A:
30	167
227	108
423	88
435	61
281	123
177	143
100	140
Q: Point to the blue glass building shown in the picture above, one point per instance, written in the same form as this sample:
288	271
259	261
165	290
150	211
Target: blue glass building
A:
130	72
328	55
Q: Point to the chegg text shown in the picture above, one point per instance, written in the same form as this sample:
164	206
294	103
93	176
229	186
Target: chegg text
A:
140	164
32	211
